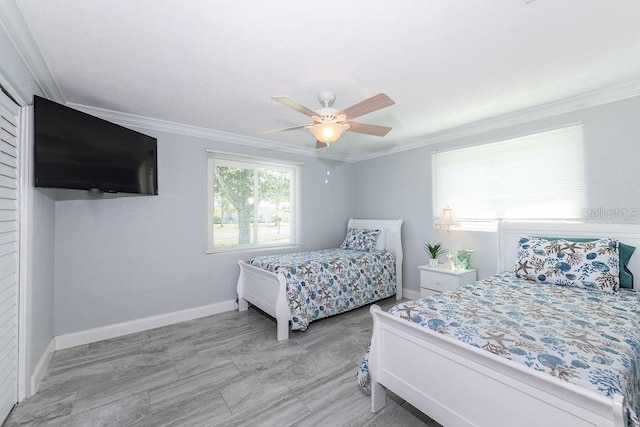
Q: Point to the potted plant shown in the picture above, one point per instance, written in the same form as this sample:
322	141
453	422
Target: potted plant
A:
434	252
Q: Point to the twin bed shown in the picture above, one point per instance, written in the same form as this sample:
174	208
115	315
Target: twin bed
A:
511	351
298	288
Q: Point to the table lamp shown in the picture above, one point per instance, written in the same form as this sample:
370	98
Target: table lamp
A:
448	218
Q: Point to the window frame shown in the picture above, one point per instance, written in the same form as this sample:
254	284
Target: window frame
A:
490	224
255	163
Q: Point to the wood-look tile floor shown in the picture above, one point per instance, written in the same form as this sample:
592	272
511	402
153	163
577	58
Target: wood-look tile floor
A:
222	370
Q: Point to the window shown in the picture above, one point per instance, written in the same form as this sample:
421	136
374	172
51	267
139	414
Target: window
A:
534	177
252	203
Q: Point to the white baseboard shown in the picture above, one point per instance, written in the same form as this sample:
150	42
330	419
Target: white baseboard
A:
41	367
409	294
119	329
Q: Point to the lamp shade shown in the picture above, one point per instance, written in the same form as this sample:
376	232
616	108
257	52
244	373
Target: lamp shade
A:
327	132
447	218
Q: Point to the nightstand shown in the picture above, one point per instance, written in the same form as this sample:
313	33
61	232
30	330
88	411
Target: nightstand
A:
439	279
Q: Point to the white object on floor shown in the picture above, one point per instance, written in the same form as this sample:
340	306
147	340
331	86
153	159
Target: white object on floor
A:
267	290
460	385
434	280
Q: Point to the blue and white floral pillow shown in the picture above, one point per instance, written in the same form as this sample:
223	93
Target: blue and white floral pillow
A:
361	239
591	265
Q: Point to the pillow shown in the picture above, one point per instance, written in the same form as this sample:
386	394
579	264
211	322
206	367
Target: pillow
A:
626	276
592	265
360	239
382	240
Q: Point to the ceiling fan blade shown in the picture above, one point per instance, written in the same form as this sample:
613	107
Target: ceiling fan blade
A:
292	103
320	144
269	132
368	129
369	105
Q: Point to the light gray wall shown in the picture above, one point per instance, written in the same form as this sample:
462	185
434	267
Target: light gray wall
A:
128	258
399	185
39	227
40	280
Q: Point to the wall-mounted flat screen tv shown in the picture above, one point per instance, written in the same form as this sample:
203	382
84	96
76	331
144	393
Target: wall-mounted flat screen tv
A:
75	150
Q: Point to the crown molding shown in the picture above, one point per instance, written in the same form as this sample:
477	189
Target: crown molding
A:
591	99
568	105
148	123
13	22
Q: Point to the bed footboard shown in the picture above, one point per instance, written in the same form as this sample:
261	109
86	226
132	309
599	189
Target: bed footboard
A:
267	291
459	385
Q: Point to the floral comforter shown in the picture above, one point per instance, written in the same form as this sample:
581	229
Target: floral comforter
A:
332	281
582	336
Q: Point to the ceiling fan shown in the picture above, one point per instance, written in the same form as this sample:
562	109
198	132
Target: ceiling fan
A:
327	124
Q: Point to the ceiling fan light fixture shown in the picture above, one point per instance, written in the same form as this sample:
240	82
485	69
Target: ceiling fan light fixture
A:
328	123
328	132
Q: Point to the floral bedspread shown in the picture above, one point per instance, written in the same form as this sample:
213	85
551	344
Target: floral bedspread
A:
332	281
585	337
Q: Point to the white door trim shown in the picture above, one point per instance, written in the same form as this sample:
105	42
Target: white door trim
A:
24	219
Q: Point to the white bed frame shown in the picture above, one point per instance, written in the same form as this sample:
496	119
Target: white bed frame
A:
459	385
267	290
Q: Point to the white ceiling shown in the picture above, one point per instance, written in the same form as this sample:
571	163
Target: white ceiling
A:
215	64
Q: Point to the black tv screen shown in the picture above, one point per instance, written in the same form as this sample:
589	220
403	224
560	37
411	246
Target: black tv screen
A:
78	151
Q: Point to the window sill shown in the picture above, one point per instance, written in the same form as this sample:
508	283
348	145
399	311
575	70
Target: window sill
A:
253	249
493	225
487	226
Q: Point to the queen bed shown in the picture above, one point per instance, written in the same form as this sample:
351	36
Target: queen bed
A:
298	288
508	350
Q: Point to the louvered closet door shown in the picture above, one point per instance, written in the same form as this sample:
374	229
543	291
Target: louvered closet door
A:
8	255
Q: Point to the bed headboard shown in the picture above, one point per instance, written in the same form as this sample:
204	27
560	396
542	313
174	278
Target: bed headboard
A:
393	241
511	231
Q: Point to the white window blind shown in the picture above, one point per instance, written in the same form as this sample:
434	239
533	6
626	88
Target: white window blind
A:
9	113
252	203
540	176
